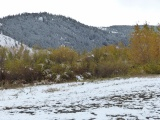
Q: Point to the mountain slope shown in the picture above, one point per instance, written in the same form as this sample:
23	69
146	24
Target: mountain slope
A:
47	30
10	43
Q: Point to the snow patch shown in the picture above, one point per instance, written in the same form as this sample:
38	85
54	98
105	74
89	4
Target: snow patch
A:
108	29
58	77
114	32
40	19
103	28
79	77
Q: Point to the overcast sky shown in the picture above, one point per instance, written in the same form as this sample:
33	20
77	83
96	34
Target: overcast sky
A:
90	12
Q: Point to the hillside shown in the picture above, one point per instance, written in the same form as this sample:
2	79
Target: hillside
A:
10	43
47	30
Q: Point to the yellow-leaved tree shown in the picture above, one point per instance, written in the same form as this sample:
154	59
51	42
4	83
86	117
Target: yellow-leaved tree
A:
145	48
144	45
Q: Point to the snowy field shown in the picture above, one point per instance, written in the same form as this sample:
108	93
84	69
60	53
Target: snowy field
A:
123	99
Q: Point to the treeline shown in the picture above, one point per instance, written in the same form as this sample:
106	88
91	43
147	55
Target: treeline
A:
64	64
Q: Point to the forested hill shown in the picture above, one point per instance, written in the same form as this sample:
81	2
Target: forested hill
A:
51	31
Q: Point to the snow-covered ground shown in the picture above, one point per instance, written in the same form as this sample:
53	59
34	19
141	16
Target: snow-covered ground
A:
117	99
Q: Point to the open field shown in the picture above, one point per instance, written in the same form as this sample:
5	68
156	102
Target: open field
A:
133	99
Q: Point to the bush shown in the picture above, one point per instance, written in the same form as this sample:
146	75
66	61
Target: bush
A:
152	68
109	69
63	55
68	76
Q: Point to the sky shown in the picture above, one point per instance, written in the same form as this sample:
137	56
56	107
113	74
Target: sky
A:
99	13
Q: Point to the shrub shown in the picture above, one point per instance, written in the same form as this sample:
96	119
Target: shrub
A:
152	68
109	69
63	55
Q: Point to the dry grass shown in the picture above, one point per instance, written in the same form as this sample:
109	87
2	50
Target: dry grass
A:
51	90
6	84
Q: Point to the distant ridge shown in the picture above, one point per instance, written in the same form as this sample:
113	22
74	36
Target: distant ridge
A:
51	31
